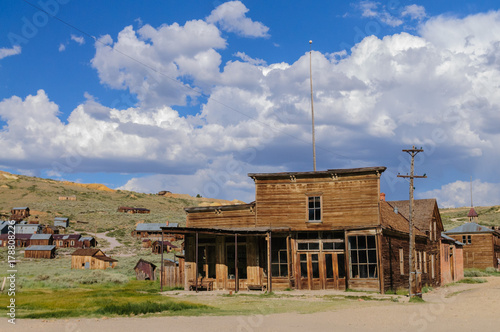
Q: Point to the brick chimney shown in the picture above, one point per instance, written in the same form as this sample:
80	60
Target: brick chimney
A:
382	197
167	222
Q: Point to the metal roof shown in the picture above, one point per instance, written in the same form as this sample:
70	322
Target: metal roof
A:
451	239
20	208
319	173
86	238
154	226
470	227
40	236
40	248
61	219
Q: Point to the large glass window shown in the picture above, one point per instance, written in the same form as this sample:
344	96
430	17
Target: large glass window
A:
314	208
363	255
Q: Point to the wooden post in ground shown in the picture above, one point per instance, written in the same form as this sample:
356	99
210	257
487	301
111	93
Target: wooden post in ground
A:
237	279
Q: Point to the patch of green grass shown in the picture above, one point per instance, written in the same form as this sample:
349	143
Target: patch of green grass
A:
468	273
416	299
472	281
146	307
427	289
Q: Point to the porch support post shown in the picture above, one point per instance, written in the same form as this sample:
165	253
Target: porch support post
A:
196	263
237	279
269	274
162	263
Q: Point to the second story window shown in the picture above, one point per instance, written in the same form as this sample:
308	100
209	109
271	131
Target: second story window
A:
314	208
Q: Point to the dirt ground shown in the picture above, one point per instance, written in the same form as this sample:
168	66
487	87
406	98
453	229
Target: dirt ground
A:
464	307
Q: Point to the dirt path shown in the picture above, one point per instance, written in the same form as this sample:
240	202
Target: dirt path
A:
457	308
113	243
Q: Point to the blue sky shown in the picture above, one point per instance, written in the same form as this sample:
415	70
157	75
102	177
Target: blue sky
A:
190	96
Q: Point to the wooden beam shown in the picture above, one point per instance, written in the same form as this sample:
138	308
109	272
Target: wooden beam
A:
237	279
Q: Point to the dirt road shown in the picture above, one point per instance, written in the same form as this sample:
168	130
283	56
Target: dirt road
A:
460	307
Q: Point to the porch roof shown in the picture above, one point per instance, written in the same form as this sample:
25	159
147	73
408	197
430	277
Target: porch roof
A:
224	230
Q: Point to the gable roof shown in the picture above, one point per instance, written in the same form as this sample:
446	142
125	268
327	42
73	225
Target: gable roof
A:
144	261
105	258
40	248
423	211
40	236
395	221
470	227
86	252
154	227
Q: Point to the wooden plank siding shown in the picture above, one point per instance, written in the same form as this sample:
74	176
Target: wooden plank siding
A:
218	217
283	203
480	252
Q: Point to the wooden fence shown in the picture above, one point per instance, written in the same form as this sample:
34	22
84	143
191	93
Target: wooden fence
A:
172	277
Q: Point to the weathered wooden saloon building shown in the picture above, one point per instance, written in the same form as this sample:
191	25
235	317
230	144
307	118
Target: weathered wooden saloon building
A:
305	230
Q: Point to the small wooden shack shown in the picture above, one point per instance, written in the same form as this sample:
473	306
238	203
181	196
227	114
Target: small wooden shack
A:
131	210
47	229
87	242
19	213
93	259
145	270
41	240
37	251
146	243
67	198
167	247
61	222
452	260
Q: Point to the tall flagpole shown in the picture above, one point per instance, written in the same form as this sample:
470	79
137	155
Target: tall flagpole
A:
312	104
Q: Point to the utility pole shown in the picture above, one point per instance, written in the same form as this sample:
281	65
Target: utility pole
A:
312	104
412	152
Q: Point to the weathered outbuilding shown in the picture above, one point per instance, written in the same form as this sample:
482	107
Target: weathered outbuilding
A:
167	247
40	251
481	245
153	230
25	228
128	209
61	222
91	259
145	270
452	260
87	242
41	239
19	213
67	240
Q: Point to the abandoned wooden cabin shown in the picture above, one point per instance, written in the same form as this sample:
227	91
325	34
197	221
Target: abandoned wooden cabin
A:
146	243
306	230
67	198
40	251
24	228
93	259
48	229
87	242
41	239
153	231
21	240
19	213
452	260
61	222
145	270
481	245
167	247
67	240
131	210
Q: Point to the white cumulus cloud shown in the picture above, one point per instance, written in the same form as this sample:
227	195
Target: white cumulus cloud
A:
457	194
5	52
231	17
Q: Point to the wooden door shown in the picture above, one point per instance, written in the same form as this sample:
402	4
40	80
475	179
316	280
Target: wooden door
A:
310	271
334	270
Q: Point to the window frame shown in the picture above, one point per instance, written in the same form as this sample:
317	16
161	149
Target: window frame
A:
320	208
358	262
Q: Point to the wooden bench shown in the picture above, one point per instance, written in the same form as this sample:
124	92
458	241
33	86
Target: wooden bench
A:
256	287
202	286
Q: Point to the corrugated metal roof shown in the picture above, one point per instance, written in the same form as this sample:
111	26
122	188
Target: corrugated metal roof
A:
86	238
154	226
470	227
20	208
40	236
61	219
40	248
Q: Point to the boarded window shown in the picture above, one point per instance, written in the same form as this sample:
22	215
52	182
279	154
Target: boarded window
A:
432	267
425	262
401	261
314	208
363	256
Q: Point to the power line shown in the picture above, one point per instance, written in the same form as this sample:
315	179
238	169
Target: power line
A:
177	81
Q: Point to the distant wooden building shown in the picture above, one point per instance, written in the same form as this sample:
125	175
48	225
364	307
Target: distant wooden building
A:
67	198
93	259
67	240
61	222
146	243
40	251
87	242
47	229
19	213
25	228
131	210
153	231
145	270
167	247
452	260
481	245
41	240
